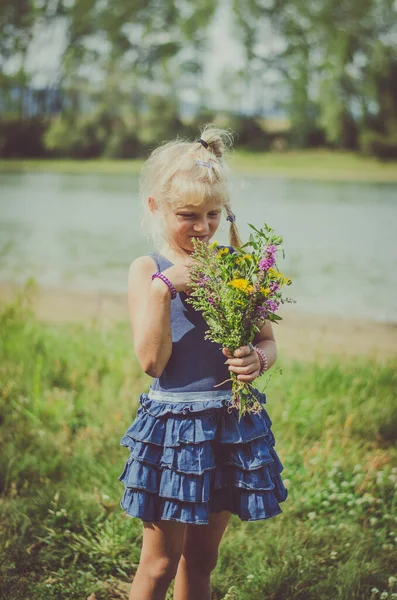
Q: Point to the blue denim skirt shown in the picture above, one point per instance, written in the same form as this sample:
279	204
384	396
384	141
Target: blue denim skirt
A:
190	455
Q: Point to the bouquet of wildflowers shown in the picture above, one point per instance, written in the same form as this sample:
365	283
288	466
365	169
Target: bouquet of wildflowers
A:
236	292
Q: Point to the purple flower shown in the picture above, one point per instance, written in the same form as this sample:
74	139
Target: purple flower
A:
271	249
272	305
211	301
262	312
203	280
268	258
274	286
266	262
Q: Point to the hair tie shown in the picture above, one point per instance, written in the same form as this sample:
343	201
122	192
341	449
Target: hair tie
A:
231	218
203	143
203	163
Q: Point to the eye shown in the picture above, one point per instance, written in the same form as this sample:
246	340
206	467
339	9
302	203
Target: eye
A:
186	215
214	213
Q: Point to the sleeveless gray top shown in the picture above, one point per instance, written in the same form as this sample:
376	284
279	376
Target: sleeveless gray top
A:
195	364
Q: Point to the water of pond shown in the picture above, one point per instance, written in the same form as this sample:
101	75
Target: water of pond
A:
82	231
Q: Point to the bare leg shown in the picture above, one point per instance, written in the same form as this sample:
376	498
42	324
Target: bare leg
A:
199	556
161	550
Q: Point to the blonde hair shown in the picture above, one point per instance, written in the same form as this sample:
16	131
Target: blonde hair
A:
174	175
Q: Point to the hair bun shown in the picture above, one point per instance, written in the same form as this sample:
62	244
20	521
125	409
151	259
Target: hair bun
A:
219	140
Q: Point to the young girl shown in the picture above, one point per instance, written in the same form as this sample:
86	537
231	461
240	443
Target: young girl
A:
192	462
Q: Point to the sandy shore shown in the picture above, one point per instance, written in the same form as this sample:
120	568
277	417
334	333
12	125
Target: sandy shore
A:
309	337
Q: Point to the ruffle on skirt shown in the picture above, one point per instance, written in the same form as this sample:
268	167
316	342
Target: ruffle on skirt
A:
189	459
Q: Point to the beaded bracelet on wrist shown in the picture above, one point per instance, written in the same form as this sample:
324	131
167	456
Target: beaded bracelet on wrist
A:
167	282
263	360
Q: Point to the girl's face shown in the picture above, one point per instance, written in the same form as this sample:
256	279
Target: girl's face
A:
187	222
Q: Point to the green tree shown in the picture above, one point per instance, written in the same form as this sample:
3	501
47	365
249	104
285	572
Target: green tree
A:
327	59
131	60
152	45
17	21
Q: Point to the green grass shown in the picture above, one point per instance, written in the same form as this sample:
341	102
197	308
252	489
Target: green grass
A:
67	395
300	164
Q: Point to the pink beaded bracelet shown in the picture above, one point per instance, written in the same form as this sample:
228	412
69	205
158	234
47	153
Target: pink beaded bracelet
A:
262	360
167	282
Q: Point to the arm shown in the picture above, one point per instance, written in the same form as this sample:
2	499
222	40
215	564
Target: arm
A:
246	363
149	308
265	340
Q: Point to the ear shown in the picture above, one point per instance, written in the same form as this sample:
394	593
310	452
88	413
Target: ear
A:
152	204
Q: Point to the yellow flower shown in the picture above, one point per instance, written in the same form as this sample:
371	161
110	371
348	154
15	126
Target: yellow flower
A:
222	251
265	291
214	244
241	284
285	281
240	259
273	273
278	276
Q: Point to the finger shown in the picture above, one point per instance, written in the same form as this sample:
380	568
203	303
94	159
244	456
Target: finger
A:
242	351
243	362
248	378
243	370
226	352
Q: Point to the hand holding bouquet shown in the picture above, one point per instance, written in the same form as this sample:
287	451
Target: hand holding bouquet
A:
236	292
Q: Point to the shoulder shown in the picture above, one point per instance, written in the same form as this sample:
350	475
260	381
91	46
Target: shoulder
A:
141	268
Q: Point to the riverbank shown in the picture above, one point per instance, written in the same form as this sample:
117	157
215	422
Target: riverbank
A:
301	164
299	336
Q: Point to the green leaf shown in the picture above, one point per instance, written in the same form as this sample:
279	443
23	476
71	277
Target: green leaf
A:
274	317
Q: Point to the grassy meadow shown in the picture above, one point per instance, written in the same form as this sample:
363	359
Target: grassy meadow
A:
68	392
294	164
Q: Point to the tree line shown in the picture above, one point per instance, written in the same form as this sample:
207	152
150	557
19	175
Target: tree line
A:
331	66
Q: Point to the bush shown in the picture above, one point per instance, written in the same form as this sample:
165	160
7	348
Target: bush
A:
250	135
104	134
123	142
81	137
315	138
160	123
380	145
349	135
23	137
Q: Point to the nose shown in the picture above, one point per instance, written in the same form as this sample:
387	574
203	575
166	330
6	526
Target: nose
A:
201	226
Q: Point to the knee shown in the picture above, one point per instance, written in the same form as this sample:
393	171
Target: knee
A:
203	562
161	569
